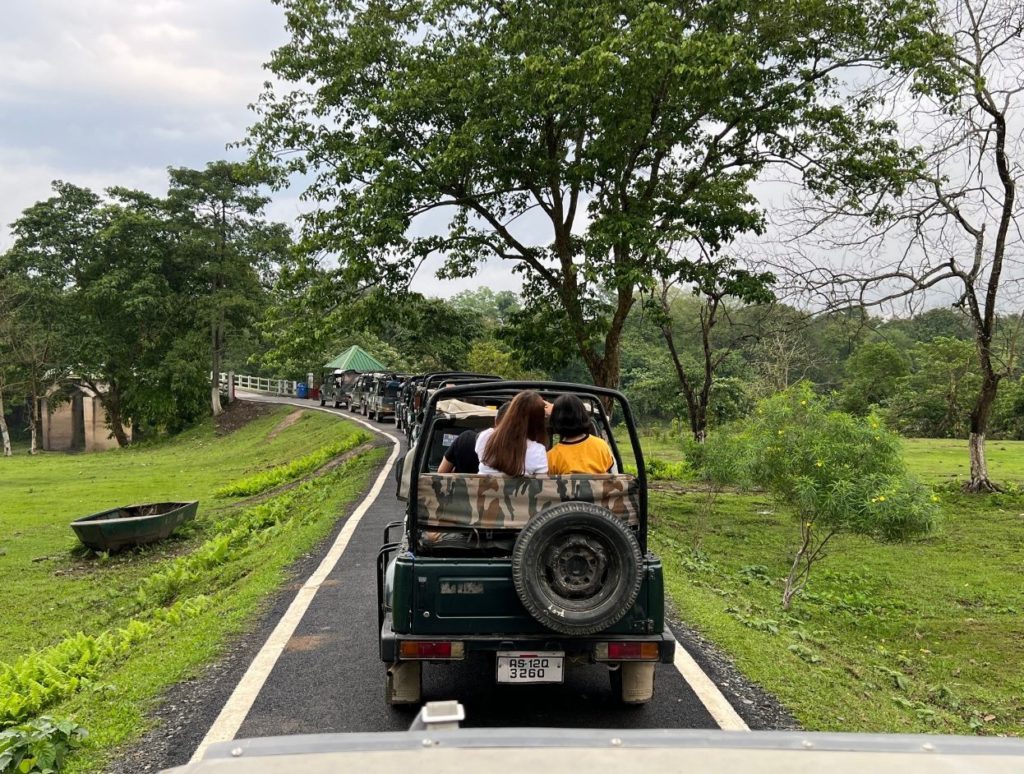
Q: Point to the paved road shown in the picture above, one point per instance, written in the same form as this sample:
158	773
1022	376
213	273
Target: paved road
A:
329	676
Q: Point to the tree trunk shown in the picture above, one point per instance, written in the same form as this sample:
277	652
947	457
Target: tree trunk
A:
119	434
4	431
698	424
32	426
696	402
980	414
111	400
215	337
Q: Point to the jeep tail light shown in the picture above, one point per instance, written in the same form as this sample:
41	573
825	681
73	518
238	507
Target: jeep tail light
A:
626	651
433	649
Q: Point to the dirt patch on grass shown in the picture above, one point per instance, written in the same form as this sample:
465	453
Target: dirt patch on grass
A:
238	414
285	423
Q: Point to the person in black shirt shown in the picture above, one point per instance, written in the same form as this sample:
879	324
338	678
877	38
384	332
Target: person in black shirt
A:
461	457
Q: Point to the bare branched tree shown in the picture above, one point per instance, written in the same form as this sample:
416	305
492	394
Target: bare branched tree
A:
721	285
955	228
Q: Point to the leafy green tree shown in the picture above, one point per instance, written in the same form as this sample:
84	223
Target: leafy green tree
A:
934	400
430	333
103	293
494	309
305	316
1008	413
836	472
133	308
873	373
114	289
491	356
9	372
571	139
228	246
932	323
55	241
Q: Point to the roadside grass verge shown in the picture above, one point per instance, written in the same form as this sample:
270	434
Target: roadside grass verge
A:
282	474
53	587
235	593
183	612
925	637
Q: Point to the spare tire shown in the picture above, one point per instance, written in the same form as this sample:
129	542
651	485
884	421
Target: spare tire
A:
577	568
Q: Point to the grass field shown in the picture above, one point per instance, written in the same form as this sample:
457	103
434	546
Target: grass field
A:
53	589
944	459
934	460
925	637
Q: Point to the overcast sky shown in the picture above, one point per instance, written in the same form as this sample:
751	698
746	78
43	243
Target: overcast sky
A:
112	92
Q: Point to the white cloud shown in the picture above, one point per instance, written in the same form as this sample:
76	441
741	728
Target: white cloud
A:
26	179
112	92
164	52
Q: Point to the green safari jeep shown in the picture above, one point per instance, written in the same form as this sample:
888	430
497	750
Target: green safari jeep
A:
538	573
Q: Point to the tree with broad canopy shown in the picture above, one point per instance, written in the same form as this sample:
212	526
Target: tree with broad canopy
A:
573	139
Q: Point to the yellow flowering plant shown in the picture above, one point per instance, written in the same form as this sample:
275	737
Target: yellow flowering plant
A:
838	473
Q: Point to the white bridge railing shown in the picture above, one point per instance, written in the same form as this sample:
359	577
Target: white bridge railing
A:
259	384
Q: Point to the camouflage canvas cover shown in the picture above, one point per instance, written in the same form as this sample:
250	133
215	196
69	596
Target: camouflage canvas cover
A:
501	502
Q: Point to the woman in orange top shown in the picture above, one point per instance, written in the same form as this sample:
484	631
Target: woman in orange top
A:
577	450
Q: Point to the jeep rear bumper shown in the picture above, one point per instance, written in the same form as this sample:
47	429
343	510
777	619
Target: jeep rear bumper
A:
587	648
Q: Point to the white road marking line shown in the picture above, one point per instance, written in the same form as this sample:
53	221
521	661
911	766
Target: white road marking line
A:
707	692
238	705
242	698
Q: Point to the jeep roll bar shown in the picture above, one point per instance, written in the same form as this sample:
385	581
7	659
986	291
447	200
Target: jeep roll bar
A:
506	390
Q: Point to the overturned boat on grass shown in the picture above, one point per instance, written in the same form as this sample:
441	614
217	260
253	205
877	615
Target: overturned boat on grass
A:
133	525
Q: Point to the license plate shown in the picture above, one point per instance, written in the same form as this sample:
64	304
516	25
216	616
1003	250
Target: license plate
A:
538	666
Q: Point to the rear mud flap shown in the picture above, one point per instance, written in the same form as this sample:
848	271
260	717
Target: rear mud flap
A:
404	681
637	683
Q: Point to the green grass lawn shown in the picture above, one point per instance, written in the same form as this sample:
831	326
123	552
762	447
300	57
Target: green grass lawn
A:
924	637
53	588
945	459
934	460
40	558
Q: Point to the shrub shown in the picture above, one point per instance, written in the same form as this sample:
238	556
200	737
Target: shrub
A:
838	473
43	677
38	746
282	474
662	470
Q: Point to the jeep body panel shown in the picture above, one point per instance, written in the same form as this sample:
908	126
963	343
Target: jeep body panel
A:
446	596
448	588
382	396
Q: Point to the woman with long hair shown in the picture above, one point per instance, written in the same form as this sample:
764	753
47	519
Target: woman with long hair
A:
518	445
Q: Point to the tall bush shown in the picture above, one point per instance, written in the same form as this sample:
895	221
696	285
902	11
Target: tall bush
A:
837	473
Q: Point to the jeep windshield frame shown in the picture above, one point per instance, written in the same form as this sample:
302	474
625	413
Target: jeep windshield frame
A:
506	390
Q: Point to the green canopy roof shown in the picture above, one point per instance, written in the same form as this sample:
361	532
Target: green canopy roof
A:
355	358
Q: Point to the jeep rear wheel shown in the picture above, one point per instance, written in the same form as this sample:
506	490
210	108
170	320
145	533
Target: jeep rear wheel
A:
577	568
